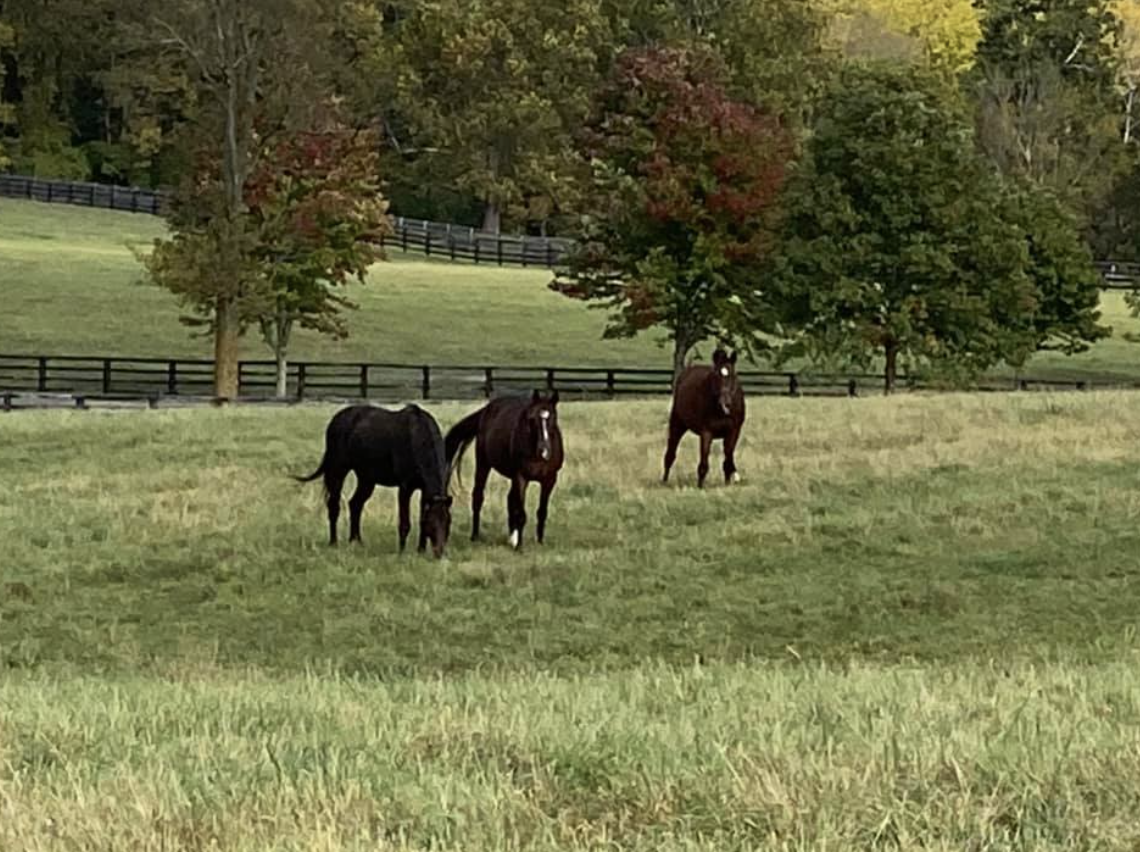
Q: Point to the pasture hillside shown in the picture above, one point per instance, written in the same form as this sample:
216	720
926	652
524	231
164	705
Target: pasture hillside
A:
922	527
911	627
70	286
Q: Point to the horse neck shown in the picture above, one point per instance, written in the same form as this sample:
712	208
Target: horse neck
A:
429	460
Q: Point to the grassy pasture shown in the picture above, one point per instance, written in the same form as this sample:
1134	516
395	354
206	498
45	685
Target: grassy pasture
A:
912	626
790	757
923	527
69	285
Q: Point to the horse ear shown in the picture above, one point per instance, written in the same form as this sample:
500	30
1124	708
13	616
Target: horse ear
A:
732	358
536	396
719	358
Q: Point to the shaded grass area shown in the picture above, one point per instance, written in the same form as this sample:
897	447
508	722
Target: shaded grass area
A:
921	527
70	286
793	757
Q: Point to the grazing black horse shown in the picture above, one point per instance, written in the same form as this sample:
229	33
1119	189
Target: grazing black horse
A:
709	402
396	449
518	437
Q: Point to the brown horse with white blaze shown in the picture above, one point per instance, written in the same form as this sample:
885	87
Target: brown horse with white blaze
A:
708	401
518	437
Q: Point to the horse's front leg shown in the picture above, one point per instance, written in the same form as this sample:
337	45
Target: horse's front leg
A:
544	504
405	501
516	510
703	467
730	475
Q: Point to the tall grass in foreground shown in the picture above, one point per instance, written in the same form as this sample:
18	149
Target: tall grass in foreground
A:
721	758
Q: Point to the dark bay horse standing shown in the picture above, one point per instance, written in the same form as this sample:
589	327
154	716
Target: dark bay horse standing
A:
395	449
518	437
709	402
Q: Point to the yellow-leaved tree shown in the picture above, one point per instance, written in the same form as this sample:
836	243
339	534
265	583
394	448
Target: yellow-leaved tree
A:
943	33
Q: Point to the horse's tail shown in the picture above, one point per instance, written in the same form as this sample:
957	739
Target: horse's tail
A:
459	438
316	474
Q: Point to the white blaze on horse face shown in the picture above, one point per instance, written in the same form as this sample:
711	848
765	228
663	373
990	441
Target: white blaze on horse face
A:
724	371
544	419
516	538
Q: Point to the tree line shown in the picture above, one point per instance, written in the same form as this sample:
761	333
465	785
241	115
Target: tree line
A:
893	182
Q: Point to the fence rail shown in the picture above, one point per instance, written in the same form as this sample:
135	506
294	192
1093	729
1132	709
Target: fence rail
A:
434	239
169	380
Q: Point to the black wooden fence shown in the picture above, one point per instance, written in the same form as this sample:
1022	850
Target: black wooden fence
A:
435	239
125	378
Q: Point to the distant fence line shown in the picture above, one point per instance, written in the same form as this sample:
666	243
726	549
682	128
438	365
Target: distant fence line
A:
173	381
434	239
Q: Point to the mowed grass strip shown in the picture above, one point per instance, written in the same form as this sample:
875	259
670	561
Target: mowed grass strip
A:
71	286
919	527
792	757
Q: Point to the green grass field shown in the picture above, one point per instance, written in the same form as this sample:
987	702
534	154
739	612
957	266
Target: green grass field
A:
913	626
69	284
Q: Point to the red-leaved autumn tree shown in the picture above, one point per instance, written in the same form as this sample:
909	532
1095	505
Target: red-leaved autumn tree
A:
319	217
685	182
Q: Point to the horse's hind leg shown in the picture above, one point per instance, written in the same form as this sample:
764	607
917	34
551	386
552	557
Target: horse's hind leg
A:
364	489
544	504
334	482
516	510
730	456
482	471
676	433
703	467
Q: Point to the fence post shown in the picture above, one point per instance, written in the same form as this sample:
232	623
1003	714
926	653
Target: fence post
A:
489	381
499	248
549	255
475	242
301	381
610	384
241	376
8	401
41	377
106	375
1081	386
793	385
852	389
404	235
81	402
427	242
426	385
172	377
550	378
364	381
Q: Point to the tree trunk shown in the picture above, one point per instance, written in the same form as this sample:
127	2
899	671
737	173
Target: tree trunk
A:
681	347
283	326
226	340
492	218
890	375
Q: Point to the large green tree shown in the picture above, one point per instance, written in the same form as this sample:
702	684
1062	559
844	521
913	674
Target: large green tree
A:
1045	83
484	95
901	246
774	51
685	181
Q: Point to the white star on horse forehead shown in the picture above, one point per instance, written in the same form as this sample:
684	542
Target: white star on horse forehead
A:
724	371
545	415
